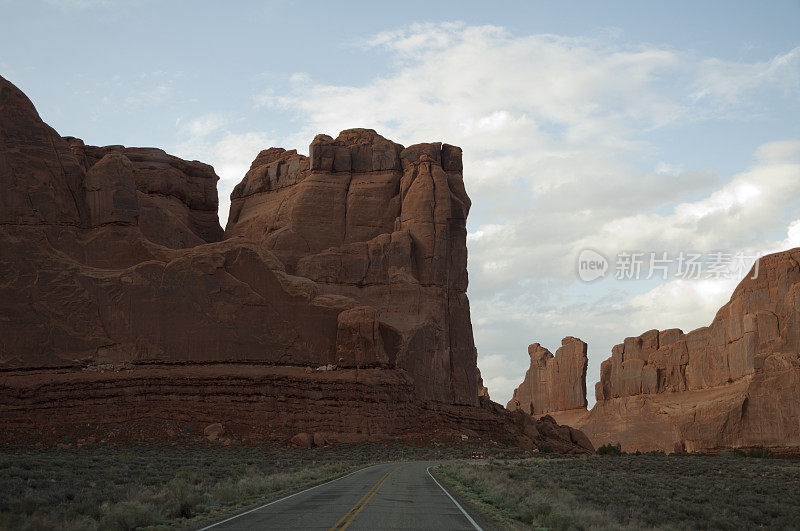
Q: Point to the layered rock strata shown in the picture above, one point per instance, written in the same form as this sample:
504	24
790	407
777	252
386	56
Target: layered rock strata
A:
253	403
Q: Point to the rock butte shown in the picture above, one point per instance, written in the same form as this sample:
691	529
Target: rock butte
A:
332	308
731	384
554	385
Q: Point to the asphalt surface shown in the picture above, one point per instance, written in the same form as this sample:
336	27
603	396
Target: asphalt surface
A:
386	496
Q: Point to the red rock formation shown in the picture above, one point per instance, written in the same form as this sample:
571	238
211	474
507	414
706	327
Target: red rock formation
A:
176	199
253	403
364	217
556	384
123	315
482	390
83	276
733	383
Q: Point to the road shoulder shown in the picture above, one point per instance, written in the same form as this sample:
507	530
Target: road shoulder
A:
477	510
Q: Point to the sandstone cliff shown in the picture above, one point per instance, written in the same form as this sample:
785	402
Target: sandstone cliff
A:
335	304
553	385
733	383
370	221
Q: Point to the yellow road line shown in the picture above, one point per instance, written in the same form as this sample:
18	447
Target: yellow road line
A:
343	518
350	521
361	503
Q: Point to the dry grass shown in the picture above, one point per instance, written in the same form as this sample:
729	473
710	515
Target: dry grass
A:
633	491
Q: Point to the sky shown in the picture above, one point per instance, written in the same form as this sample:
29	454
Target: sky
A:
623	128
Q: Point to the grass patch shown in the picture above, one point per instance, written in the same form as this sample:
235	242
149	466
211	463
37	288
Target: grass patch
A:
633	491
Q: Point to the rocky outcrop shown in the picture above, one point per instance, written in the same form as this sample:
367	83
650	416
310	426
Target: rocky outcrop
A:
556	384
371	221
335	306
104	264
483	391
176	200
733	383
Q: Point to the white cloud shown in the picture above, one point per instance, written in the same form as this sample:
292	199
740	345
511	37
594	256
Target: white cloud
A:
741	212
728	85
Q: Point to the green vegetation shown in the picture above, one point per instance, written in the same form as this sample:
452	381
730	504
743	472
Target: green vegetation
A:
610	449
760	452
167	487
632	491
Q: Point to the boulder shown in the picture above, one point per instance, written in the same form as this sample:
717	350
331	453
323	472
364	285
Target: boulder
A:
213	431
302	440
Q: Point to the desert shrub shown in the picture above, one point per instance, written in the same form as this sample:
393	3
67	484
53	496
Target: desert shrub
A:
610	449
634	492
128	515
183	499
760	452
550	508
192	474
29	504
546	449
111	488
225	493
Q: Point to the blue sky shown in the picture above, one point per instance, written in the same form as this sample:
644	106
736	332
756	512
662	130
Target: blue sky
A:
617	126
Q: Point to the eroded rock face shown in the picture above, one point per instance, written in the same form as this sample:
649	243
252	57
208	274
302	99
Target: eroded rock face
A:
483	391
176	199
124	313
760	320
384	225
553	384
733	383
42	183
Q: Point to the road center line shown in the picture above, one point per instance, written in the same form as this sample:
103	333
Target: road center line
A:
361	503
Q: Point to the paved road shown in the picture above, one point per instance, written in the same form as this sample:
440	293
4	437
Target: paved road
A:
386	496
